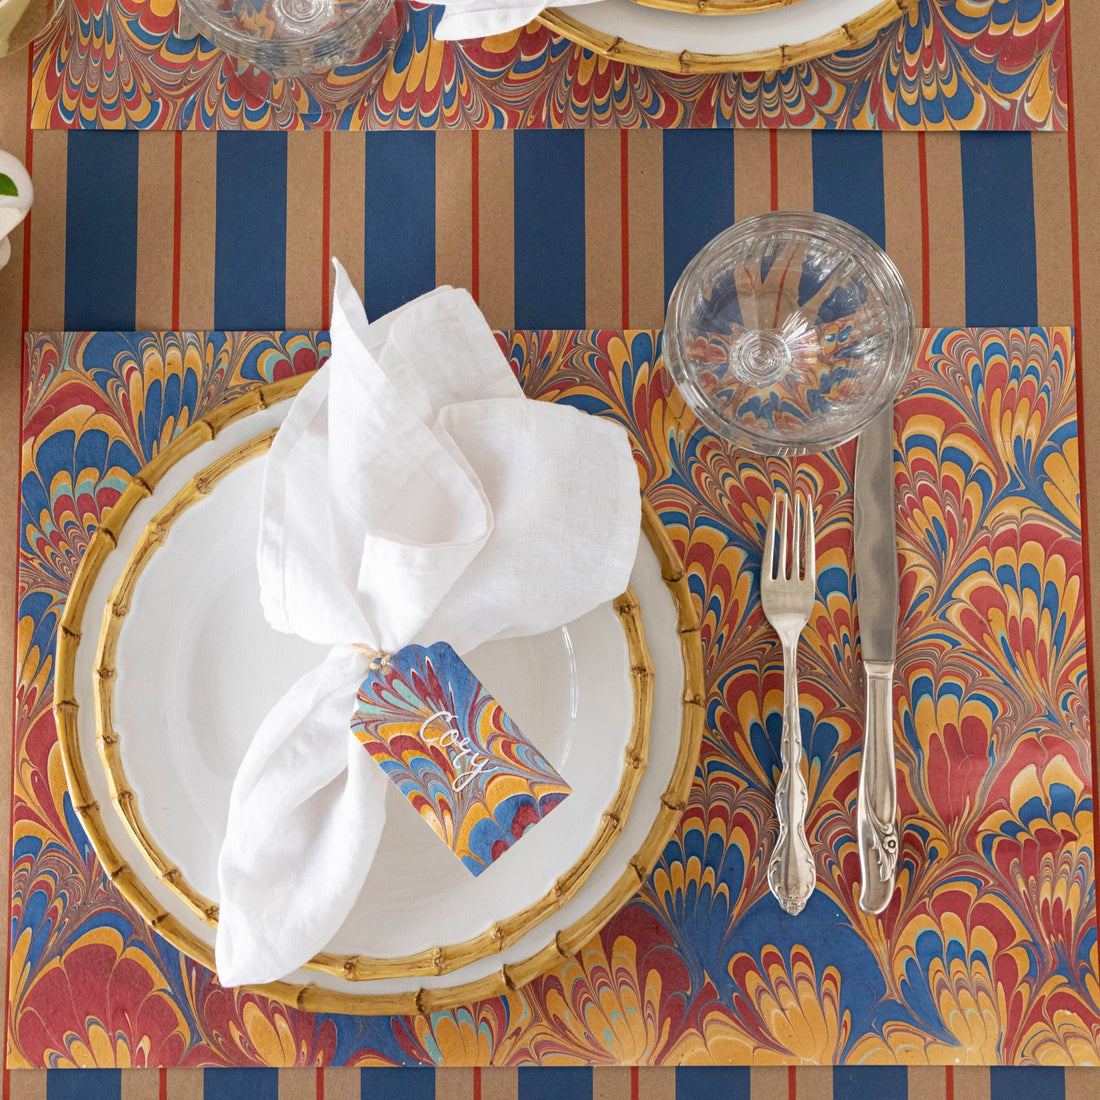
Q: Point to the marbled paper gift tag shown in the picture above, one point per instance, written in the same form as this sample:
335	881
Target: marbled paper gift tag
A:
454	753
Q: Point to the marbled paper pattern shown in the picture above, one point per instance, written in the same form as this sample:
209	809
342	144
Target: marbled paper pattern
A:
987	953
951	64
454	752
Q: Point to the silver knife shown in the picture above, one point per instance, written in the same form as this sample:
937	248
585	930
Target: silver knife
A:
876	553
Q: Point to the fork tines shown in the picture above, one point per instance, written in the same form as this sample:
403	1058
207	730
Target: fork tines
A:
803	537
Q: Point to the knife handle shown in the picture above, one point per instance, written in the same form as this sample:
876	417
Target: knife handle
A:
876	812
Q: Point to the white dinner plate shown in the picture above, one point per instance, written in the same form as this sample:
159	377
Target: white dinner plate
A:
198	667
689	42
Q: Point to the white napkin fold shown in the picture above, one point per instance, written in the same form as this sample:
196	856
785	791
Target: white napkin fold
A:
413	494
482	18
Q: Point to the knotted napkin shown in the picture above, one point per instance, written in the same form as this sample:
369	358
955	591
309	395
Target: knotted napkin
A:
482	18
413	494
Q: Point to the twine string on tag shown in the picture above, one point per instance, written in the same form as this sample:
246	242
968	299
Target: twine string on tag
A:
376	658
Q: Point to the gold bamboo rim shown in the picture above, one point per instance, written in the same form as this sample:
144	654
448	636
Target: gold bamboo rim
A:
311	997
436	960
853	33
716	7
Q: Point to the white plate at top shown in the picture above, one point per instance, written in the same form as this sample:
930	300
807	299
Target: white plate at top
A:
658	37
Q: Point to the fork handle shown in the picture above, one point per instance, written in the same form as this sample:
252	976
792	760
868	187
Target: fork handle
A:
791	874
877	808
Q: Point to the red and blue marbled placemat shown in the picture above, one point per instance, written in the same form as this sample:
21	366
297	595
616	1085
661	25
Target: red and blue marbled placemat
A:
950	64
987	953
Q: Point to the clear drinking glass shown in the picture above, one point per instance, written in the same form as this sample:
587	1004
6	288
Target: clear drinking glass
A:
286	37
21	21
788	332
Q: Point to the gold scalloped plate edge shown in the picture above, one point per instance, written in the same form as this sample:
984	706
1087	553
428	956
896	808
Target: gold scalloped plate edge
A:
854	33
311	997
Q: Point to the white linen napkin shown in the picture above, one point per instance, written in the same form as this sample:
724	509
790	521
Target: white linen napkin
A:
413	494
482	18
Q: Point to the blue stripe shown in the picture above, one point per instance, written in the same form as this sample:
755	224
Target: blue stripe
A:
1036	1083
863	1082
713	1083
557	1083
397	1083
87	1084
399	219
698	194
548	167
999	230
240	1084
250	249
101	203
848	181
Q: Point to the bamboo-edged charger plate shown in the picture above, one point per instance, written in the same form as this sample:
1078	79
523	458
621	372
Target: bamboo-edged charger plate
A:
735	36
166	667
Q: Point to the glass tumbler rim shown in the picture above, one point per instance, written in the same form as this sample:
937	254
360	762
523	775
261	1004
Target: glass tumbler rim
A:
877	267
313	51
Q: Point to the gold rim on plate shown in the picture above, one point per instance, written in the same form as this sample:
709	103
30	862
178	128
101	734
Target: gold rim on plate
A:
312	997
716	7
437	960
853	33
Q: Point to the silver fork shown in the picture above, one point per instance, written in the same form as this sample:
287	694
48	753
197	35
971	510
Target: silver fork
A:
788	598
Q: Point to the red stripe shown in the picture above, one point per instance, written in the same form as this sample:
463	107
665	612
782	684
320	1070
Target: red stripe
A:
925	238
773	144
320	1069
1075	259
29	159
633	1069
624	221
475	221
177	228
949	1083
792	1087
326	205
14	679
14	682
477	1069
7	1083
162	1092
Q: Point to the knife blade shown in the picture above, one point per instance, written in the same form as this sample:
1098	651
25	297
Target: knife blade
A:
876	561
